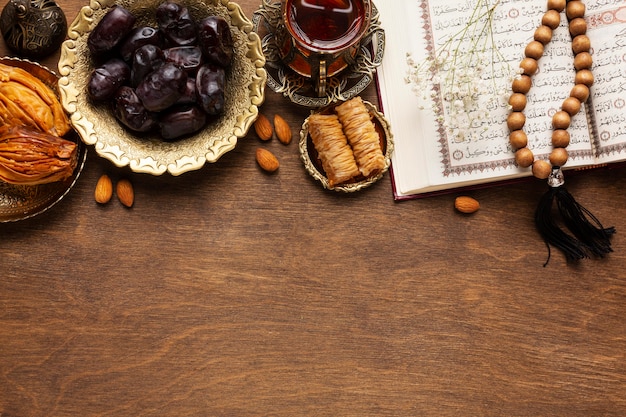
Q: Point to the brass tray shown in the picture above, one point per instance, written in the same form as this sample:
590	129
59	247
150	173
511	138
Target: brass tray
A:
96	125
19	202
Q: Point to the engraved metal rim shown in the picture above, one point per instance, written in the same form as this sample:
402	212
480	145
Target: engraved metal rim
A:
157	157
346	85
320	176
53	192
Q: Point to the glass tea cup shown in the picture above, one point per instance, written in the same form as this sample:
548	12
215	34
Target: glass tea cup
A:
320	38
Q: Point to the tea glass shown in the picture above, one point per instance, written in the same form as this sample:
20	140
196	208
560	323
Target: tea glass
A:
318	39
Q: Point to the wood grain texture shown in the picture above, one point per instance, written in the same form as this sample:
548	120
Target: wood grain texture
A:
230	292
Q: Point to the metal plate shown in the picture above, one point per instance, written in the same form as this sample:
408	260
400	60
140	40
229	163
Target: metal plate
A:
19	202
313	165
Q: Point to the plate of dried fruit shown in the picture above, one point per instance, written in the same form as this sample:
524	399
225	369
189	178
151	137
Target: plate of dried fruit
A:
149	150
41	157
346	146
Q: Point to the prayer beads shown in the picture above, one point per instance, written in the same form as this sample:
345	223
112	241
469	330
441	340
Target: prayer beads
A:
561	120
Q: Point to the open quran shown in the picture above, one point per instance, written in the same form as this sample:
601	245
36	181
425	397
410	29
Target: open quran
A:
436	150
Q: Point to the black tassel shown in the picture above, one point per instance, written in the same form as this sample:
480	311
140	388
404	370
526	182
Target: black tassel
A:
588	238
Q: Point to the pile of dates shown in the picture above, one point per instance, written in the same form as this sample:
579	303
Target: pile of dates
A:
170	78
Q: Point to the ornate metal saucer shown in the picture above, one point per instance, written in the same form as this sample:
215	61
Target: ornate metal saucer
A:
19	202
298	88
313	165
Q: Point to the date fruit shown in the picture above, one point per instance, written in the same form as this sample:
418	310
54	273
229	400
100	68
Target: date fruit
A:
107	78
176	23
131	112
138	37
215	40
190	95
181	121
187	58
210	84
146	59
111	29
162	88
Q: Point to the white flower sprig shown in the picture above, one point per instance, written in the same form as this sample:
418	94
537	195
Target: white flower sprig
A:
458	71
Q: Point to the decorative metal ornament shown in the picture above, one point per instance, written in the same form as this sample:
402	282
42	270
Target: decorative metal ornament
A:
33	28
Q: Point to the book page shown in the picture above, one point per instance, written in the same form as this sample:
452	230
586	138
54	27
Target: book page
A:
607	31
481	152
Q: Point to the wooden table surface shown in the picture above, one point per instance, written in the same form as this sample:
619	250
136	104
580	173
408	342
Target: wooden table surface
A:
230	292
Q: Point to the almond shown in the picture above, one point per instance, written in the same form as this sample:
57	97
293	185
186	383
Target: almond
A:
104	189
125	192
466	204
266	160
283	131
263	127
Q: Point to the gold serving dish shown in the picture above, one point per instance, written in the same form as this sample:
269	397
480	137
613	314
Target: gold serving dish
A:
313	165
96	124
19	202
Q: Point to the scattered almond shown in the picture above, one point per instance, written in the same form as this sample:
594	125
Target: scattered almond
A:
263	127
466	204
283	131
104	189
125	192
266	160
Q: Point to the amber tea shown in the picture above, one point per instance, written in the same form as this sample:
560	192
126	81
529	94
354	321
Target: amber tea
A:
321	38
326	25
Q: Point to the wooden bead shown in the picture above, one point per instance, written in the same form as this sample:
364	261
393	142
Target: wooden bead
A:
560	138
575	9
524	157
522	84
571	105
558	157
583	60
529	66
534	50
561	120
581	43
542	169
577	27
551	19
518	139
581	92
517	101
515	120
543	34
557	5
585	77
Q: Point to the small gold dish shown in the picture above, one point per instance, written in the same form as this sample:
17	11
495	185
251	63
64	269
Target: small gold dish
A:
20	202
96	124
313	165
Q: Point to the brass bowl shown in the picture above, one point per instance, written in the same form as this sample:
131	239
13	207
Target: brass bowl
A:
313	164
96	124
